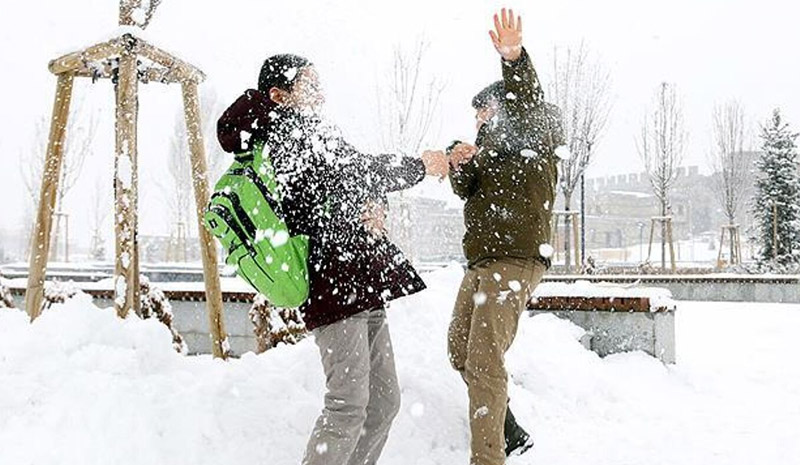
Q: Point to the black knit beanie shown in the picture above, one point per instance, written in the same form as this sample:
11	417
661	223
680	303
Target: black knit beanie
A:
280	71
495	91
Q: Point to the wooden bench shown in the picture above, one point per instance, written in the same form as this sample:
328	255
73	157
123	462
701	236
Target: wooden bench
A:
615	324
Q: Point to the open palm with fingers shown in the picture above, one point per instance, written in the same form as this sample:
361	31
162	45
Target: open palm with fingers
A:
507	36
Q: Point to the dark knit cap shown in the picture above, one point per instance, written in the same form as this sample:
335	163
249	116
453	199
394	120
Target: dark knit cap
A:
281	71
496	91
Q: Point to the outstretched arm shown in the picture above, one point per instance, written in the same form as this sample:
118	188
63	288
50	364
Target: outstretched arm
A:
519	76
390	173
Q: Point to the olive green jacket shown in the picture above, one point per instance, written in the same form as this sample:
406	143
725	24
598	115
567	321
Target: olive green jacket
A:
510	184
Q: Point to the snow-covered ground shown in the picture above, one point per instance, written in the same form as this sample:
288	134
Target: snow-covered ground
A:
83	387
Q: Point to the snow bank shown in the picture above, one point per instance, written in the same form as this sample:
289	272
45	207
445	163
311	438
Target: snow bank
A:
80	386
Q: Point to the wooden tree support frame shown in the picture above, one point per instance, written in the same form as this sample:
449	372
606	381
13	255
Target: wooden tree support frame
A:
572	238
666	223
128	61
176	247
732	231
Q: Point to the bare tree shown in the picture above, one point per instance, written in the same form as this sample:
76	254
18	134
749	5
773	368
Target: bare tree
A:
581	91
661	147
100	206
732	178
31	164
728	159
80	134
408	106
407	109
179	190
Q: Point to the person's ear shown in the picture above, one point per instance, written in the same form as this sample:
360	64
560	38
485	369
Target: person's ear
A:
277	95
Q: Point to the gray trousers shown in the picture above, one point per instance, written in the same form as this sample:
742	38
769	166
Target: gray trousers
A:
363	394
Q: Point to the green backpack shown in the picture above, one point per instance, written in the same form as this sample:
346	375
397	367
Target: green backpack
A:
245	215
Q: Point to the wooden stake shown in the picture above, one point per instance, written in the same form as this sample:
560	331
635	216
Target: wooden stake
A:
96	54
650	245
126	8
671	244
40	246
175	66
191	104
576	234
126	279
738	247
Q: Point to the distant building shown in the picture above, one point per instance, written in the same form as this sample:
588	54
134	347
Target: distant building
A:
426	229
619	209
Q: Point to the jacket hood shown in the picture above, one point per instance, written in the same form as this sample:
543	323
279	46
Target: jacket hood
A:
245	122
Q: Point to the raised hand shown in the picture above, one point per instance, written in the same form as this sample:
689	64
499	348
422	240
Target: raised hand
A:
507	36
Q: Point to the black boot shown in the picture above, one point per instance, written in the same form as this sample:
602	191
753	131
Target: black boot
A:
518	441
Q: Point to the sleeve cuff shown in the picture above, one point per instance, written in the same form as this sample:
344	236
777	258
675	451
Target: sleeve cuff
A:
523	58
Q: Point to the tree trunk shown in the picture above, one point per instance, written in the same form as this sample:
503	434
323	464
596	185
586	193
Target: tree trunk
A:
663	236
57	230
567	241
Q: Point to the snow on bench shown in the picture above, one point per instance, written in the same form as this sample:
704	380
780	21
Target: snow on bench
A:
615	318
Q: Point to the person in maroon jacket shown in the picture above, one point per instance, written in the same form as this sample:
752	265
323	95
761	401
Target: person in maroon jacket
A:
334	194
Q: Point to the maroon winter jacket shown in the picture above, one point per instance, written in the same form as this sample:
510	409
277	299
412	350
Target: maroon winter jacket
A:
324	185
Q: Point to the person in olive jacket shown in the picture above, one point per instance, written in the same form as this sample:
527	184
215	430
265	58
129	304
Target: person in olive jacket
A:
508	180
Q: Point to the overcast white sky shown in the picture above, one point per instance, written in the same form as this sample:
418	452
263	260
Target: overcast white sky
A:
712	49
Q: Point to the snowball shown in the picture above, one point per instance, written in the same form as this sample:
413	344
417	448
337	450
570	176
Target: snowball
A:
546	250
502	296
279	239
481	412
245	137
515	286
479	298
528	153
562	152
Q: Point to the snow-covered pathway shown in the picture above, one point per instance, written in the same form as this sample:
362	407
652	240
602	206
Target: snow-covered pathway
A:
82	387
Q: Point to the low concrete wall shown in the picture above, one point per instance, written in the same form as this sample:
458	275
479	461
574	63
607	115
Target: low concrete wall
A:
709	288
615	332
